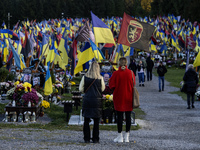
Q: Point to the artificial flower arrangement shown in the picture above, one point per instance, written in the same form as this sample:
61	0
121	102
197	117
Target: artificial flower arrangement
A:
5	86
57	89
45	104
198	95
108	102
23	93
72	83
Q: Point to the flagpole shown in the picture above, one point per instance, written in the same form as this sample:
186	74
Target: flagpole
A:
113	56
42	56
187	59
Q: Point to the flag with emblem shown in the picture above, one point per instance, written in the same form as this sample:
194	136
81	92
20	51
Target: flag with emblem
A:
134	33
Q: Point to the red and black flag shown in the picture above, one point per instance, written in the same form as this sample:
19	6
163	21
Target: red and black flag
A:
134	33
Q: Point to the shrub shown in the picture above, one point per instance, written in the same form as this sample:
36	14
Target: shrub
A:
3	74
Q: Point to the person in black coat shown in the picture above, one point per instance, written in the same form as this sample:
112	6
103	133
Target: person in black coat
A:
161	70
191	80
92	84
150	65
132	66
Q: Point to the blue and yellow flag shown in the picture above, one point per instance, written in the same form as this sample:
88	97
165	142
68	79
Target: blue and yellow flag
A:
63	47
102	32
153	47
119	53
129	52
197	60
97	53
17	59
48	89
86	55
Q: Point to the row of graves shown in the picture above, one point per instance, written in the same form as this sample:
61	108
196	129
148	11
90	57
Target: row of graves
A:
24	95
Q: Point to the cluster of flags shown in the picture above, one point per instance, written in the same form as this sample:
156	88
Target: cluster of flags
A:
77	40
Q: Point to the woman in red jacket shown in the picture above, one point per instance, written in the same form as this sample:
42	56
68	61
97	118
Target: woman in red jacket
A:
122	83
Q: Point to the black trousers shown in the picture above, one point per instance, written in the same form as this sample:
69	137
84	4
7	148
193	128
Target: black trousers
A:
188	98
120	120
86	129
149	74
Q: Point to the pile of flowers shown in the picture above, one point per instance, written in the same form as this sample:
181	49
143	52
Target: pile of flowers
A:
45	104
198	95
108	102
23	93
5	86
57	87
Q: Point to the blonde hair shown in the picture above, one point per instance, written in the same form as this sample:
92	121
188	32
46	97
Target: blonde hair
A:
123	63
94	71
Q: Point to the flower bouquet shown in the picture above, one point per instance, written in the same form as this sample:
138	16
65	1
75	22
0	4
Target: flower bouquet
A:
23	93
5	86
198	95
108	102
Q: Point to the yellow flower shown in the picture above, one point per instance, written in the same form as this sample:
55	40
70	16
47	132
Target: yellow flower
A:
107	96
26	89
111	98
72	82
45	104
16	83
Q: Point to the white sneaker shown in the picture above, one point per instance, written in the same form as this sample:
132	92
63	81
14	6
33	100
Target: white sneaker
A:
119	138
126	137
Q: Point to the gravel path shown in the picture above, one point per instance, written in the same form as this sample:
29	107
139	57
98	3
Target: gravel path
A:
168	125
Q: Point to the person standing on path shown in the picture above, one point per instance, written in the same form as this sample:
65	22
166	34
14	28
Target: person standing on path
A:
92	84
132	66
161	70
150	65
122	83
191	80
141	69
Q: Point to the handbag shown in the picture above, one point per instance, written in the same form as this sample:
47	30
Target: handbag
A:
184	88
136	100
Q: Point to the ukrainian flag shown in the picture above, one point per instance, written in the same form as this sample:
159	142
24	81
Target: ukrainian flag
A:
86	55
102	32
97	53
17	59
48	83
118	54
63	47
153	47
45	45
129	52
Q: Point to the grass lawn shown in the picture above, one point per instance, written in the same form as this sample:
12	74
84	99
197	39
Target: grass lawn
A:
175	76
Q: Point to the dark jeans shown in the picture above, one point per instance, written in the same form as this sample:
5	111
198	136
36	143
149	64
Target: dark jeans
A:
161	79
86	129
120	120
149	74
188	98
